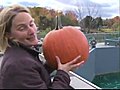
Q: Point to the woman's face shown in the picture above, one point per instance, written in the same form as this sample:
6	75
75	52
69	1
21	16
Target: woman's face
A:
24	29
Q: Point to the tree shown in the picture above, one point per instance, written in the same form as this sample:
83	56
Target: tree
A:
116	24
69	18
88	10
87	20
43	22
99	22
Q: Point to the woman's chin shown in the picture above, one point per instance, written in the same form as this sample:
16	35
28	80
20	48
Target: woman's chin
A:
33	43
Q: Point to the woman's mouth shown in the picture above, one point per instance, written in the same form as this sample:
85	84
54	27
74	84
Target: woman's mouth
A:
31	38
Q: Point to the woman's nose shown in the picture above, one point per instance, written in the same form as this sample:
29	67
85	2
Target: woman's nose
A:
31	30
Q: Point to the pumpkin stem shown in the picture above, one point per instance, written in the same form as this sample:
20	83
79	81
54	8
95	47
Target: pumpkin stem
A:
58	23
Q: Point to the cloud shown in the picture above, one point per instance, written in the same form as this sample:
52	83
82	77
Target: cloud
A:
105	9
54	4
30	4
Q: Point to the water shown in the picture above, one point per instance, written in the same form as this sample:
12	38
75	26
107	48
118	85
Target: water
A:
108	81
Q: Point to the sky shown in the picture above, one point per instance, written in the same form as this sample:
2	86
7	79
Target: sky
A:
103	8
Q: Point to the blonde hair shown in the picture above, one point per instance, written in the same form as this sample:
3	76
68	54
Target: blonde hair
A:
6	17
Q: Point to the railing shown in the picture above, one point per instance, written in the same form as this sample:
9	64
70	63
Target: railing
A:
78	82
112	42
100	37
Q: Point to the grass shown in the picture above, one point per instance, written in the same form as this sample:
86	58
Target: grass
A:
107	30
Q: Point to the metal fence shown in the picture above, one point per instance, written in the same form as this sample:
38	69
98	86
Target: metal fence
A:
100	37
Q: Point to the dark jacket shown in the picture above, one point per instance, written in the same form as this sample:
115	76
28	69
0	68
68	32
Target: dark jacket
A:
21	68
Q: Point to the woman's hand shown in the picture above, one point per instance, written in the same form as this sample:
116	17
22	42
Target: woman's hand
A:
70	65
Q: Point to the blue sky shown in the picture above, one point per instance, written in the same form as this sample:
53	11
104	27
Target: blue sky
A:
105	8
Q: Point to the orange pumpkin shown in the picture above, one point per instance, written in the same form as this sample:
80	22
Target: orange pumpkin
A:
66	43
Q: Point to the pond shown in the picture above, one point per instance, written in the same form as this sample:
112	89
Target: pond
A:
108	81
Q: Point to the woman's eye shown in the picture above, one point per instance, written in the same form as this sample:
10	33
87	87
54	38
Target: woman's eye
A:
21	28
32	24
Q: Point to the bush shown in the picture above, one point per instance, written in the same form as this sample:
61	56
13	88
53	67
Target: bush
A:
43	33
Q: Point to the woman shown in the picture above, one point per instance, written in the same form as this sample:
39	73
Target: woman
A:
21	67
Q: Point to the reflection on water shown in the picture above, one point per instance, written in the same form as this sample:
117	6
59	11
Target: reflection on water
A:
110	81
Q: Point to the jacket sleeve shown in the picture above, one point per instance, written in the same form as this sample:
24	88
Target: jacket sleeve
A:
61	80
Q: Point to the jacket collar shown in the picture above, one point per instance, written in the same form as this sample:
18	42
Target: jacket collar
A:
32	50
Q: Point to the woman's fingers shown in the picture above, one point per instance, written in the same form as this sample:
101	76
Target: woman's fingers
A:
74	60
71	62
69	65
58	60
77	64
